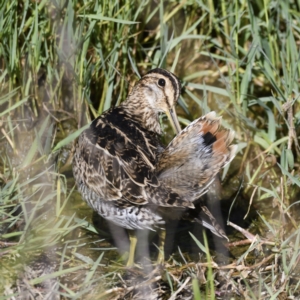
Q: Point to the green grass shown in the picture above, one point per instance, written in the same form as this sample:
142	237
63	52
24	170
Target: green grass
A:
63	63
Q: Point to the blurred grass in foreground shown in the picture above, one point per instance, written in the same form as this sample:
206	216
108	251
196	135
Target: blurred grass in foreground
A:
62	63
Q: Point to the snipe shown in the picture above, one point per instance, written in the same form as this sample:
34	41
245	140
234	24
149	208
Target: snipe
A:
125	174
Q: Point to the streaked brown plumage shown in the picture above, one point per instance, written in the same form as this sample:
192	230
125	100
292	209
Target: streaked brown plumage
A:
125	174
193	158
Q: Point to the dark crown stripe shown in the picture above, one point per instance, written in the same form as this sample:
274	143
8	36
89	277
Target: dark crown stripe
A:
174	79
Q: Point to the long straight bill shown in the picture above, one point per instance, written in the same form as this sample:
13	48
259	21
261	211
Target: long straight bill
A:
172	116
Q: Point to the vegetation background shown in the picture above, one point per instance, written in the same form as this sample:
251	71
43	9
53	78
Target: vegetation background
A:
64	62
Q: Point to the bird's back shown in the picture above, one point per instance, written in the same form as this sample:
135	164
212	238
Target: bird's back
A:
114	166
114	157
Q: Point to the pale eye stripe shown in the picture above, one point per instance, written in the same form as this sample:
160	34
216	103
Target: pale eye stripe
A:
174	80
176	83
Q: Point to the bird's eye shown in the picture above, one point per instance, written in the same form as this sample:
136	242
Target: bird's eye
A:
161	82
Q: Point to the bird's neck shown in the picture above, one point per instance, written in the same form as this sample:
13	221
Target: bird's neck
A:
139	111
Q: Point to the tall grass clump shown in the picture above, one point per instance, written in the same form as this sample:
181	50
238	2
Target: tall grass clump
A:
62	63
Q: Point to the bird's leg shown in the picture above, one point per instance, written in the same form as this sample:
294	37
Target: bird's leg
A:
161	245
133	241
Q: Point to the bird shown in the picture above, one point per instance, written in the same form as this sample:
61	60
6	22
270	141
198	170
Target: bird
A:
128	177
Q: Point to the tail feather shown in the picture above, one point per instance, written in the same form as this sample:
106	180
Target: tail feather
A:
208	221
189	164
193	158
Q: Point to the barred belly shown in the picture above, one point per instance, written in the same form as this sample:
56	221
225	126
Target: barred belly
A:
131	217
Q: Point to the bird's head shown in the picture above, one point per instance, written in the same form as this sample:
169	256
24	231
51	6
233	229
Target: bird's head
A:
159	90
